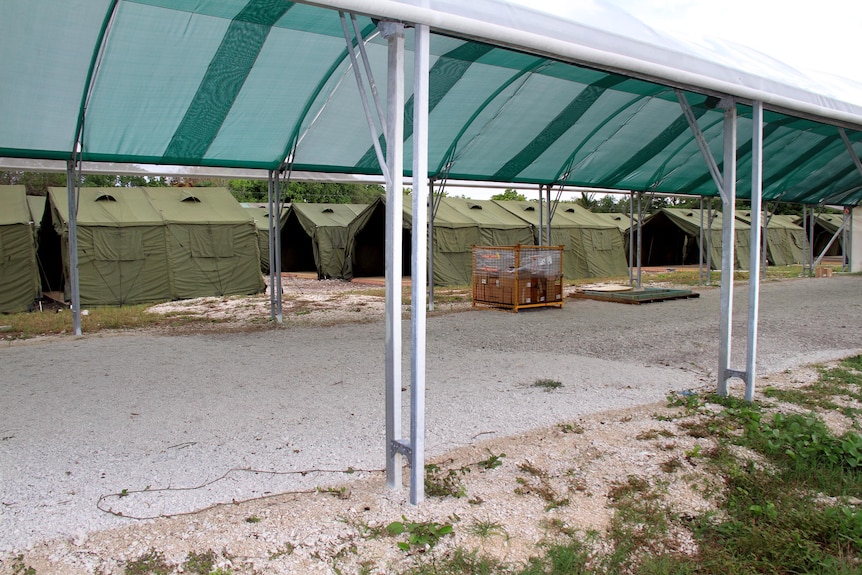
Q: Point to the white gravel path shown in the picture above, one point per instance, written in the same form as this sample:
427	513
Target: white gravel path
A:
84	418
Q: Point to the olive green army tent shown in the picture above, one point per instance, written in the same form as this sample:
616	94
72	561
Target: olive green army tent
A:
621	221
592	247
260	215
150	244
315	238
122	257
19	276
785	241
825	227
459	224
671	236
212	242
365	253
37	208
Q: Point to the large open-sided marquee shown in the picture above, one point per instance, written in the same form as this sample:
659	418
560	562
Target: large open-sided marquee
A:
493	92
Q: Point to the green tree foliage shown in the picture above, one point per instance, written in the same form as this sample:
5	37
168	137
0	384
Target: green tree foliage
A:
36	183
308	192
510	194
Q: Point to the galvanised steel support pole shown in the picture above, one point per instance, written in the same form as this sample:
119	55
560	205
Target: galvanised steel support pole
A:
700	273
394	34
548	216
419	276
74	282
754	275
430	242
728	199
276	226
811	222
270	208
541	216
640	236
631	238
708	242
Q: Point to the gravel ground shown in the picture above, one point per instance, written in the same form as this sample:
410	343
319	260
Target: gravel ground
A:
148	425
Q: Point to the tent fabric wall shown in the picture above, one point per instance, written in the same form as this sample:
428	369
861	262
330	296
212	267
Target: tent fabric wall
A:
121	247
138	245
825	226
592	246
459	224
212	242
365	254
671	237
19	275
316	236
785	241
260	215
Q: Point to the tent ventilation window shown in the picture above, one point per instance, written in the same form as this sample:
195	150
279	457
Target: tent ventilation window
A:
328	211
475	206
530	209
570	210
190	199
106	198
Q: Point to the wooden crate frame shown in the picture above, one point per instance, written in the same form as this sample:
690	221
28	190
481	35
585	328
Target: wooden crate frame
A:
517	277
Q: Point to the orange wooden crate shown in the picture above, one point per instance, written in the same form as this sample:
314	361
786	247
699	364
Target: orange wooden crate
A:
515	277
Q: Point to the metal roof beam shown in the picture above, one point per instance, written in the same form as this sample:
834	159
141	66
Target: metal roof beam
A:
850	149
701	140
372	126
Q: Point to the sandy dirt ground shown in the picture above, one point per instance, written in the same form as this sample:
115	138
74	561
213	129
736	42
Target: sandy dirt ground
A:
265	446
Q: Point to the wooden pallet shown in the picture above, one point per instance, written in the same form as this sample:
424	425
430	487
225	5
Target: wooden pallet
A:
636	297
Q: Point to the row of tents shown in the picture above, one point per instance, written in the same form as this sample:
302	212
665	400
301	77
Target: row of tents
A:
152	244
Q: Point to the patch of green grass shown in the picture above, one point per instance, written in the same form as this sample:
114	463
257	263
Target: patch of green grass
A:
487	529
99	318
791	508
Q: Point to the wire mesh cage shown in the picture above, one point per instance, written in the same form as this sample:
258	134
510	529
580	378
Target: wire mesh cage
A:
516	277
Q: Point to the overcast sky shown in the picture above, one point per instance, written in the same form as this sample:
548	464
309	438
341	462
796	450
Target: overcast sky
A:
821	35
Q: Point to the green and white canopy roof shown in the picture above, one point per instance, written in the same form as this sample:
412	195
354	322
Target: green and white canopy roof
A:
517	95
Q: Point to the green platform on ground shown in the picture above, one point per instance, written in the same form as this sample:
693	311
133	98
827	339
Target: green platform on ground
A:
636	296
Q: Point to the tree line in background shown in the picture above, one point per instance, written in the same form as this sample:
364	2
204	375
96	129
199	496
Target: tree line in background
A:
620	203
255	191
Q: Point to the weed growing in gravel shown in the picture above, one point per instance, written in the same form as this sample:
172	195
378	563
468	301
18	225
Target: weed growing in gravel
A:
420	536
570	428
487	529
150	563
444	482
492	462
548	384
21	568
539	484
200	563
